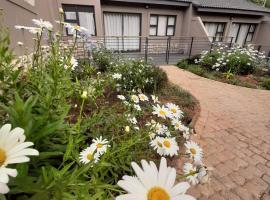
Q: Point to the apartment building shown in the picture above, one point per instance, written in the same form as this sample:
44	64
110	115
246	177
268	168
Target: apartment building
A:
234	21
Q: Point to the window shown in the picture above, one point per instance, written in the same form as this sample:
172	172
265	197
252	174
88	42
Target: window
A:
80	15
122	31
162	25
215	31
242	33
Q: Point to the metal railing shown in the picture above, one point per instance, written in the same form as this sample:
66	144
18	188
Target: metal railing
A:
161	50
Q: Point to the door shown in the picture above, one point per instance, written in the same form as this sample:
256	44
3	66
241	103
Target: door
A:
122	31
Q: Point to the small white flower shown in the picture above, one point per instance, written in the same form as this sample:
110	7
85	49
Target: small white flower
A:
89	155
194	151
157	145
161	111
121	97
152	183
43	24
170	146
143	97
20	43
137	107
100	145
117	76
154	99
135	98
191	172
133	120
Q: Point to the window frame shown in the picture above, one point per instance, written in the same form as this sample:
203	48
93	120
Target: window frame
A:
249	32
122	28
167	24
78	8
223	24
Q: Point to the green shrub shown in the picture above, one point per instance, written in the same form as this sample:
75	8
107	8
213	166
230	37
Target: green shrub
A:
183	64
266	83
237	60
138	74
103	58
197	69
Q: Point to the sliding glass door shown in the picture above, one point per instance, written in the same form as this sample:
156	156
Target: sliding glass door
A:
122	31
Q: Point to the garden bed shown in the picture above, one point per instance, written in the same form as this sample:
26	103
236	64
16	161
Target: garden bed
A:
73	129
244	67
250	81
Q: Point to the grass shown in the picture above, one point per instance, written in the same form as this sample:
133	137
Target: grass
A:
257	80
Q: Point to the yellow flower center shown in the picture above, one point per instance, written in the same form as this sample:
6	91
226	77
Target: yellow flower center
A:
193	151
167	143
173	110
159	144
89	156
162	112
99	145
157	193
2	157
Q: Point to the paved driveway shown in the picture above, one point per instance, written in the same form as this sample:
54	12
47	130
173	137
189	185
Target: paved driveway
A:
234	131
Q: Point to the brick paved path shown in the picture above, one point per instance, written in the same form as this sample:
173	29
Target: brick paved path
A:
234	131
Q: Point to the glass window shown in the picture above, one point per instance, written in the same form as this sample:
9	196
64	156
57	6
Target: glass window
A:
80	15
215	31
242	33
162	25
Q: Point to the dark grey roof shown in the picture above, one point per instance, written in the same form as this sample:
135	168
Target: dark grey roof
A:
231	5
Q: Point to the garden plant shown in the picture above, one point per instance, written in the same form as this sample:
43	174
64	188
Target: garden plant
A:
76	129
235	65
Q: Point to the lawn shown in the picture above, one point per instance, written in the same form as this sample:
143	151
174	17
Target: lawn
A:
75	128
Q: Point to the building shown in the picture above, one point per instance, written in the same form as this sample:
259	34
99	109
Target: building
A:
130	22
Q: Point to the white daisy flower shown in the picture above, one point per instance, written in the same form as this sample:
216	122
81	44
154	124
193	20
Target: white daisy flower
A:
137	107
157	145
191	173
13	149
177	124
89	155
100	144
175	110
132	120
162	111
154	99
143	97
117	76
35	30
121	97
135	98
72	63
170	146
152	183
3	188
43	24
4	177
194	150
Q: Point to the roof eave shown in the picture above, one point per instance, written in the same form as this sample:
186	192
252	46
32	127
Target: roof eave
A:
231	11
154	2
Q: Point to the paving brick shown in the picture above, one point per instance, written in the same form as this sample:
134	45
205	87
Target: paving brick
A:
238	179
256	186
